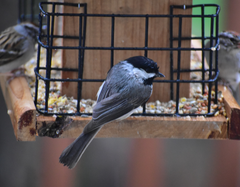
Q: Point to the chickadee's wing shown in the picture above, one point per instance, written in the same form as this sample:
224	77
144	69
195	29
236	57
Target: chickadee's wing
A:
103	91
111	108
108	110
11	45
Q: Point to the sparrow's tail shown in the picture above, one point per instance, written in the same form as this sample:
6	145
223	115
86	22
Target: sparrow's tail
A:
71	155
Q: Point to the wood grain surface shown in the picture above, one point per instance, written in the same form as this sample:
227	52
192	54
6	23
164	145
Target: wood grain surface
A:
21	108
129	32
149	127
233	113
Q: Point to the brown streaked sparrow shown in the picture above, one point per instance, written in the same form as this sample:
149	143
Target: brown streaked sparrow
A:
228	60
17	46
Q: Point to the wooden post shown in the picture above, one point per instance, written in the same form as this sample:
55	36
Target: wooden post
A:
233	113
21	108
129	32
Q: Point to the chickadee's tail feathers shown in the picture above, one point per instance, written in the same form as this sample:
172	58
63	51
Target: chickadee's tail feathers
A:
71	155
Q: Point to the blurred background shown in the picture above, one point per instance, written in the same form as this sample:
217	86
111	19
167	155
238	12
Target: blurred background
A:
119	162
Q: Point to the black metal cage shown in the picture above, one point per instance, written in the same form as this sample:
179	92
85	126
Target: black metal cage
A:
46	42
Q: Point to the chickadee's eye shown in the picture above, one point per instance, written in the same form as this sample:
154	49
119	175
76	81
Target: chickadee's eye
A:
149	70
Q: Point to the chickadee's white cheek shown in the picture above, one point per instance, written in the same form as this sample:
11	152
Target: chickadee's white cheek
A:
150	75
140	73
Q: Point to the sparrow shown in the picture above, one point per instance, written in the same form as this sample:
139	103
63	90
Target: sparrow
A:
17	46
128	85
228	59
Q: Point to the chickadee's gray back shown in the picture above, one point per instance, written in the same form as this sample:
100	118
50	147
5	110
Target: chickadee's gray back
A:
130	76
122	80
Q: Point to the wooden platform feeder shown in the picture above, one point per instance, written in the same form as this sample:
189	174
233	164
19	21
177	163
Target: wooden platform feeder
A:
26	123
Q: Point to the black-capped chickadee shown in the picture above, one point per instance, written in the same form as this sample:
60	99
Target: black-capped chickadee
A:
128	85
17	46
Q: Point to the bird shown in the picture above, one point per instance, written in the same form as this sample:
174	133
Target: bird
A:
128	85
228	60
17	46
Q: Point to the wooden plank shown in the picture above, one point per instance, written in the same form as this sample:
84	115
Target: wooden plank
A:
233	112
21	108
149	127
23	116
129	32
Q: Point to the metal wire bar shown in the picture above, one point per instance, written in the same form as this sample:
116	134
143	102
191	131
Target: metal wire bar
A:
124	15
178	62
171	52
210	67
146	114
146	51
203	52
80	65
216	58
48	65
38	62
125	48
174	71
112	41
101	80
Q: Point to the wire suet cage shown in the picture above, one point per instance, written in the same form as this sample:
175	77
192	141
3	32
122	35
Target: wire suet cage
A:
46	42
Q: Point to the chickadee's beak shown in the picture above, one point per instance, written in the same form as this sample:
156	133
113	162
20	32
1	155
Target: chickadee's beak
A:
160	75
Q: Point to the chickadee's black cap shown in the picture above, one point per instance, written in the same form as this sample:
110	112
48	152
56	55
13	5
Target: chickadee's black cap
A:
145	63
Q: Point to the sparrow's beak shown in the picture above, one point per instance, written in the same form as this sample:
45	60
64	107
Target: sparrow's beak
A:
160	75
